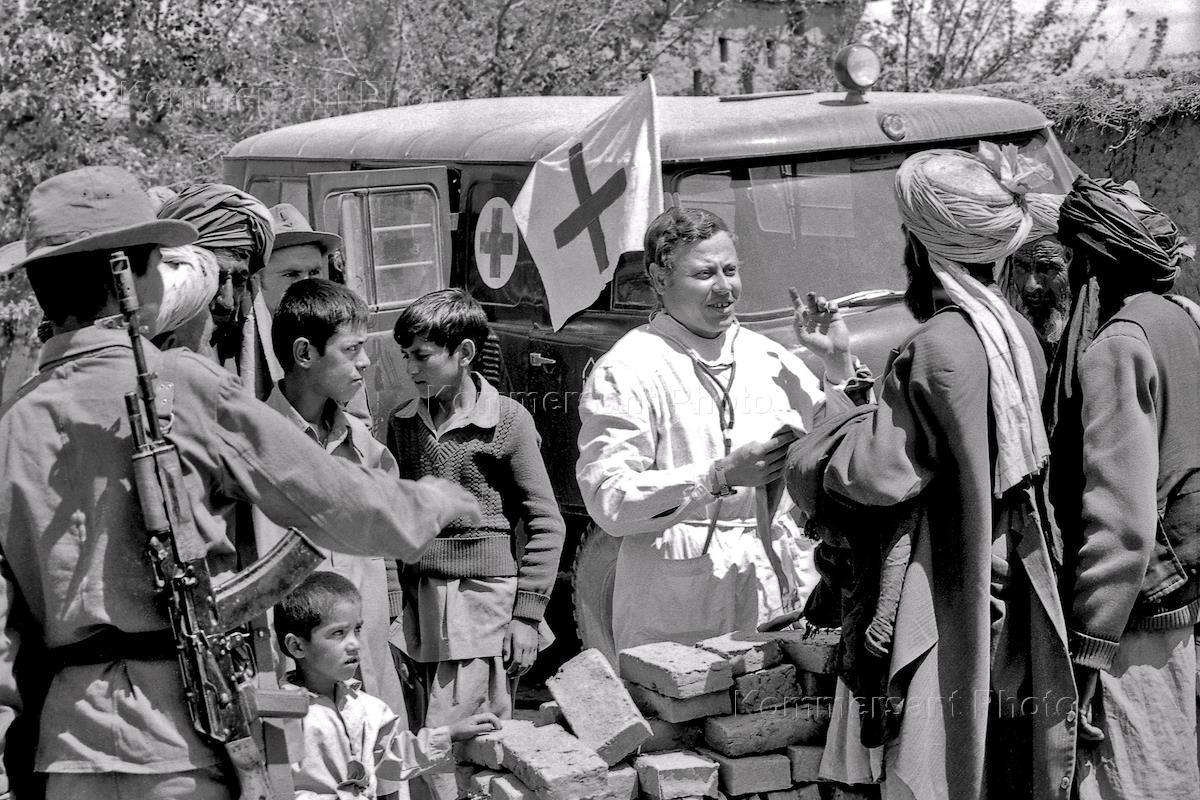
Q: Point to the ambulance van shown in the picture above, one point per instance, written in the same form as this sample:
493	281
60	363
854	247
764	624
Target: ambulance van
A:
422	196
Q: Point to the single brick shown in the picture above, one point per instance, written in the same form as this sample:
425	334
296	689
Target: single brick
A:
767	689
806	761
670	776
549	713
839	791
675	670
810	791
674	710
752	774
463	773
622	784
509	787
553	763
814	685
810	649
486	750
786	794
597	706
670	736
746	651
745	734
481	782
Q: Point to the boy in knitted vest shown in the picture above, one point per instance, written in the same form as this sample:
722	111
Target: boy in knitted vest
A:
470	608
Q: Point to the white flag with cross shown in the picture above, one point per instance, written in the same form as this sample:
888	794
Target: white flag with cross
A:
590	200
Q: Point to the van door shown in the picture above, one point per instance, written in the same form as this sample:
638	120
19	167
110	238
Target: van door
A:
395	225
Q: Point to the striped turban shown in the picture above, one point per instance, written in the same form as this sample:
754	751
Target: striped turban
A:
969	209
225	217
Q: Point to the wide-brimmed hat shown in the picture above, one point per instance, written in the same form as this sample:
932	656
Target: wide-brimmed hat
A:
95	208
291	229
11	255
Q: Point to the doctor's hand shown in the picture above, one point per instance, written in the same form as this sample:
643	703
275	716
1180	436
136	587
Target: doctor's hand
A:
758	463
820	328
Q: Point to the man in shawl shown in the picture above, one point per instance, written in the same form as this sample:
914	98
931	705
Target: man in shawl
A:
1125	480
978	629
237	229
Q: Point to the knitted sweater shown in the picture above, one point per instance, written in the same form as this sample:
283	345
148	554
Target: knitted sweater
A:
494	452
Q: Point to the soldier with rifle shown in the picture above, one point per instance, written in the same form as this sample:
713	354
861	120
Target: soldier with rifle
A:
115	514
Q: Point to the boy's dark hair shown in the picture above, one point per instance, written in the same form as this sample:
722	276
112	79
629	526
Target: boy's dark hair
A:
677	227
301	611
79	285
313	308
447	318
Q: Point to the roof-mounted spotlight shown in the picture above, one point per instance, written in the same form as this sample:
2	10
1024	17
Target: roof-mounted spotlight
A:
857	68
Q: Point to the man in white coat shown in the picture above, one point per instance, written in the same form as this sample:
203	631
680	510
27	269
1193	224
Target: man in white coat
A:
683	421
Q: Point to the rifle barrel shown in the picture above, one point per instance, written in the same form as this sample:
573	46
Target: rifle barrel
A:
127	297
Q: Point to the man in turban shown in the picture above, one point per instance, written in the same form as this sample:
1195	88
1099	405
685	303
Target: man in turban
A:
1035	282
1125	480
957	436
237	229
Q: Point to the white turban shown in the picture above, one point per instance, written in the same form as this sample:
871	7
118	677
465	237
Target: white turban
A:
189	276
970	209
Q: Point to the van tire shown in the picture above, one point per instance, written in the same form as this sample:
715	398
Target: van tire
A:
592	577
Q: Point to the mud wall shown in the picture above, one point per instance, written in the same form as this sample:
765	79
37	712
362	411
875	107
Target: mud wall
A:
1143	127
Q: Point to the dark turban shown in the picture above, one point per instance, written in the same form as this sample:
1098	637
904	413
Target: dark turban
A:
1130	246
1123	246
226	217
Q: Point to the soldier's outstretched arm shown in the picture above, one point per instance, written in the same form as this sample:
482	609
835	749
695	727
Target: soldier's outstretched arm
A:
266	460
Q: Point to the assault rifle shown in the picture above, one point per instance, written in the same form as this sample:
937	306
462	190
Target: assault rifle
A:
214	647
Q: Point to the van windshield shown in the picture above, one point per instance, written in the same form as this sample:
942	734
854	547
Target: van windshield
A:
828	226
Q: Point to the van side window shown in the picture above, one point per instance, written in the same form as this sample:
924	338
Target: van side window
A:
295	192
266	190
631	286
397	232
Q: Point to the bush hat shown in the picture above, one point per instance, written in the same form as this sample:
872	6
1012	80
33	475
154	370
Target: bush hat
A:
95	208
292	229
11	255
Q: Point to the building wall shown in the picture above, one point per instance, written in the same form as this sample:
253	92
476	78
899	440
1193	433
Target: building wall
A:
732	53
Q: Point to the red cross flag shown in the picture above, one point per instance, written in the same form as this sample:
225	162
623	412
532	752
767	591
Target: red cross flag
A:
590	200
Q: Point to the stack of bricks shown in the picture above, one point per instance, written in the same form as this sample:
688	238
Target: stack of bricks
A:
741	716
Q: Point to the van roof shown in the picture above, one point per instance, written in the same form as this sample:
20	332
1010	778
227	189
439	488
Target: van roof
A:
692	129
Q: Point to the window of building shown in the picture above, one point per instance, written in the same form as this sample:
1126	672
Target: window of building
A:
723	49
769	48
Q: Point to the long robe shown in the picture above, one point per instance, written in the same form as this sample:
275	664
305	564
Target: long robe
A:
979	608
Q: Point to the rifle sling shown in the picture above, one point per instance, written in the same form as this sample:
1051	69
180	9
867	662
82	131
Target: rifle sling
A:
114	645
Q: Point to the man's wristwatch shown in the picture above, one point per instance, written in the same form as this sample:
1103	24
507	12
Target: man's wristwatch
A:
720	486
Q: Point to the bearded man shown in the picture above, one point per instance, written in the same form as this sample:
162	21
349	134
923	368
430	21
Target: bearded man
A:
1125	481
978	656
1035	282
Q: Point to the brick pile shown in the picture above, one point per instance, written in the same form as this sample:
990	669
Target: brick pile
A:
741	716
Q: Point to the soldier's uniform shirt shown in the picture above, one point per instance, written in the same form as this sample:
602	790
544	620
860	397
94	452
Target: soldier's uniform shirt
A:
72	542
